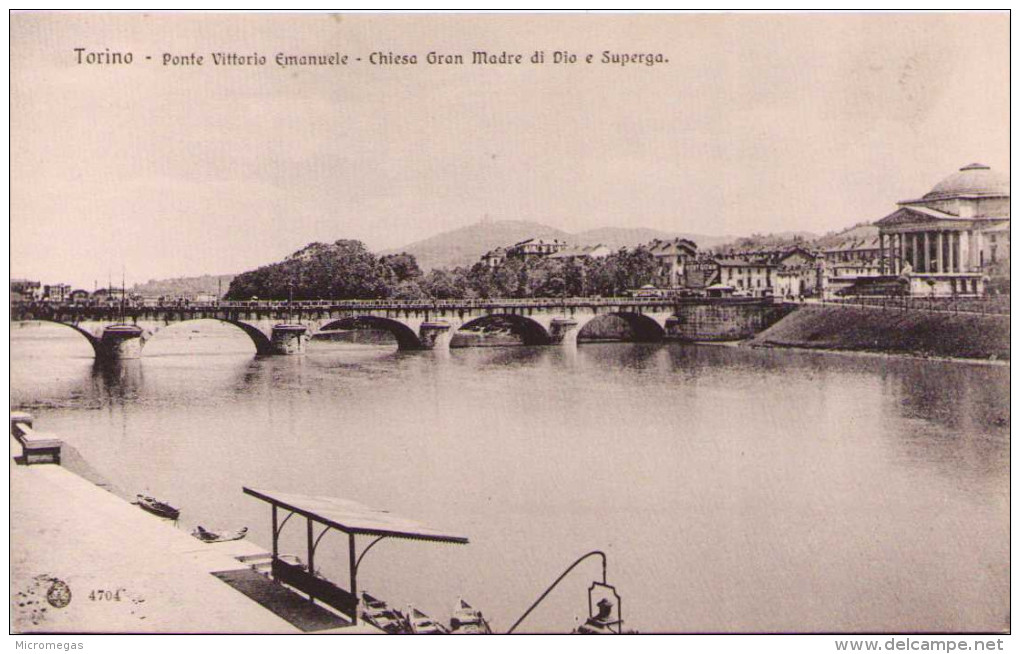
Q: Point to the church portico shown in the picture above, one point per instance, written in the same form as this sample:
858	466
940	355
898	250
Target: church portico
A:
937	243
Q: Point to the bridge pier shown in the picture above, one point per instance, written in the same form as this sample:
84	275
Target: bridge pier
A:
559	328
288	339
120	342
435	334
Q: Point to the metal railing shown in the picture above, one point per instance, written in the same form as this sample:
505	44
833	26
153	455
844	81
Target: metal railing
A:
421	305
990	305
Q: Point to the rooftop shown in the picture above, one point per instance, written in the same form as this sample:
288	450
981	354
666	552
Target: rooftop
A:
971	180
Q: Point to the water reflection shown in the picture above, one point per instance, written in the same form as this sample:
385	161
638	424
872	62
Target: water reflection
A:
757	489
117	381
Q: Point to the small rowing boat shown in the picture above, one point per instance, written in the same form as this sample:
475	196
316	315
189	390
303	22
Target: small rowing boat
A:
218	535
155	507
378	614
602	622
468	620
423	624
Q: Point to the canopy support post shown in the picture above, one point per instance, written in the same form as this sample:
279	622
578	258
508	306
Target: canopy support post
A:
354	574
276	535
311	557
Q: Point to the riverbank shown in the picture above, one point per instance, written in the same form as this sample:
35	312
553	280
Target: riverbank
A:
84	560
891	331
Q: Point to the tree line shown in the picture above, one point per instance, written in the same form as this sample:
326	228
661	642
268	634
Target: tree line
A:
346	270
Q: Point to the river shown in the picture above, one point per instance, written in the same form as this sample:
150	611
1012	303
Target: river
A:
733	489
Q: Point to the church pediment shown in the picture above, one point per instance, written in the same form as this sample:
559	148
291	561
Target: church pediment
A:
911	216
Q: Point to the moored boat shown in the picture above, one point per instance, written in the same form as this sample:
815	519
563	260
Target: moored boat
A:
378	614
156	507
218	535
602	622
468	620
423	624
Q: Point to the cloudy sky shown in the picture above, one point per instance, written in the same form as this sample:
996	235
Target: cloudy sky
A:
757	123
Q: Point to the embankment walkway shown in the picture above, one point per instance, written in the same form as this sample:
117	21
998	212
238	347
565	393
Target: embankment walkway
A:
66	528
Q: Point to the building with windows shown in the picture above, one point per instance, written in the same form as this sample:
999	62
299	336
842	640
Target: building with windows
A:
798	273
942	243
851	253
494	258
79	296
671	258
748	277
581	252
535	247
57	292
25	290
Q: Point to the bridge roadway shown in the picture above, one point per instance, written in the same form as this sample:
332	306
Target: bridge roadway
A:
277	328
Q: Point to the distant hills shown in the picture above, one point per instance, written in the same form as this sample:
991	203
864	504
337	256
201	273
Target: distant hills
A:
184	286
464	246
861	232
618	237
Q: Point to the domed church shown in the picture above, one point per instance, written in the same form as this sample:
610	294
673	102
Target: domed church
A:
952	240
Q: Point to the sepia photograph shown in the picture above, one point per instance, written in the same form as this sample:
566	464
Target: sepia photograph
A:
510	323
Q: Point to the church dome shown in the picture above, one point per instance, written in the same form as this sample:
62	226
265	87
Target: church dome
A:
975	179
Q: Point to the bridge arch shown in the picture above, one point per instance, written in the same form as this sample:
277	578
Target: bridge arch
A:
91	338
530	331
258	337
262	342
642	328
406	338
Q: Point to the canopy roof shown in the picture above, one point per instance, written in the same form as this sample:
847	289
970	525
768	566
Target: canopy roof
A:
352	517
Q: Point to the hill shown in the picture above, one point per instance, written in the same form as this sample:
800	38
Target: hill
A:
861	233
464	246
184	286
617	237
771	241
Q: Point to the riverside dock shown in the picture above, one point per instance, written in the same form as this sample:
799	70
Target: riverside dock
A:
84	560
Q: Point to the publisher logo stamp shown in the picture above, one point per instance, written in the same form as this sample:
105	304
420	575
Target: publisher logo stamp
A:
59	594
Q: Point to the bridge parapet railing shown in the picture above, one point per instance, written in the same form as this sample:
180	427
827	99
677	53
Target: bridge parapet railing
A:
51	310
991	305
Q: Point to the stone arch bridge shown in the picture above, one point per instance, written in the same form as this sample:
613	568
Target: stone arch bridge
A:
120	332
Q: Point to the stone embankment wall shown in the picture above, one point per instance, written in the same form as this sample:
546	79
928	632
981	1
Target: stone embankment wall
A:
723	321
894	330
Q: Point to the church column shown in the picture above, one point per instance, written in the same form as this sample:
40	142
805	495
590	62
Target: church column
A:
914	259
927	253
964	262
939	242
903	252
881	254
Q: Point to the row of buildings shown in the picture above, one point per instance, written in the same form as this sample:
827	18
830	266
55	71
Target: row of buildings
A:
26	290
954	240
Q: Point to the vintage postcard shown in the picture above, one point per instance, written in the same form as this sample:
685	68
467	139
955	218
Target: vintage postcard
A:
369	323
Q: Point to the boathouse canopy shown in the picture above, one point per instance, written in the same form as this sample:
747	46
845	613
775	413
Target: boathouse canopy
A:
353	517
348	516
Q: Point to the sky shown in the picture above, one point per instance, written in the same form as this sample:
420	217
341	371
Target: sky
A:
756	123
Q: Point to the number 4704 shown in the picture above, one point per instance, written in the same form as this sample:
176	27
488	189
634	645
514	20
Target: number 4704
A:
105	595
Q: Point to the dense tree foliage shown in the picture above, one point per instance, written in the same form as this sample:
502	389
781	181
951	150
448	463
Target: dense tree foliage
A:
342	270
546	277
347	270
